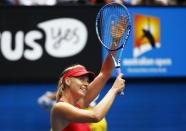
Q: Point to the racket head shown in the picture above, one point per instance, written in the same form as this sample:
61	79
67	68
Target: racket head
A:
113	25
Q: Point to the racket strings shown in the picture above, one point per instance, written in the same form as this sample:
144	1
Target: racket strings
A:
112	23
117	31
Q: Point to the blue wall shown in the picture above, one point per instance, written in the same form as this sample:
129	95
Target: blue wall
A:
144	107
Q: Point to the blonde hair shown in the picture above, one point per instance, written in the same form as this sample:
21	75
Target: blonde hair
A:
61	85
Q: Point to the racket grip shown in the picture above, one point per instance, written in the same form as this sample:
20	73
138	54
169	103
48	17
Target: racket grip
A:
118	69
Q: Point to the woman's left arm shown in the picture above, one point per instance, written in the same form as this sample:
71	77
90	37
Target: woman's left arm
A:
98	83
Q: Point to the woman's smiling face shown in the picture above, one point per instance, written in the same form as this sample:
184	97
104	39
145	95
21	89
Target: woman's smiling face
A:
79	85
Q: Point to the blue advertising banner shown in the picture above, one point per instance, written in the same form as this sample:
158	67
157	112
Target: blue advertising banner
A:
156	46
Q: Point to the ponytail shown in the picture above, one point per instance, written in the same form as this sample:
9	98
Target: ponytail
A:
59	91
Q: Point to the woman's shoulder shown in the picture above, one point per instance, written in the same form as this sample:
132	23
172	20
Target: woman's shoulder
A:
63	106
61	109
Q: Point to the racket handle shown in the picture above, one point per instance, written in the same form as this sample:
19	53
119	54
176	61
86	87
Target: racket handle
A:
118	69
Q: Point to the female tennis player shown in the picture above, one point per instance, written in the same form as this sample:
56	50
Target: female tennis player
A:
77	88
75	92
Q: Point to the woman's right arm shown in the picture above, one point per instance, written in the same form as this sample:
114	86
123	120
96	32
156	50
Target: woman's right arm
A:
72	114
104	105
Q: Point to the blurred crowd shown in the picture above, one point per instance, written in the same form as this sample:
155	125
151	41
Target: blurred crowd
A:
92	2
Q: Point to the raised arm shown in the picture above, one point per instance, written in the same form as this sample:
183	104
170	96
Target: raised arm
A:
96	86
108	65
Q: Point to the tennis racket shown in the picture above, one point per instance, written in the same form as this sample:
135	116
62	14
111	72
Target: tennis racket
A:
113	29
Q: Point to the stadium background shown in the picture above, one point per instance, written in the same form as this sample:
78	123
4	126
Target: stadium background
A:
151	102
